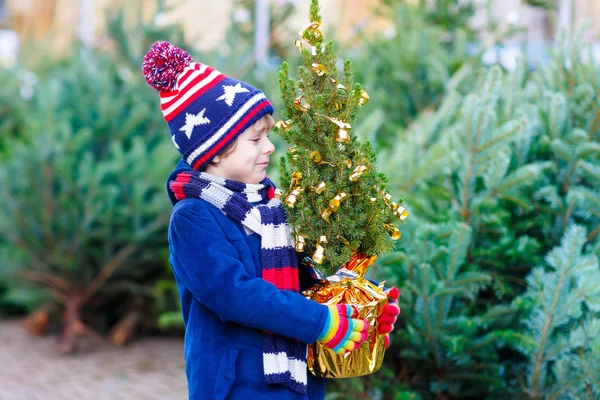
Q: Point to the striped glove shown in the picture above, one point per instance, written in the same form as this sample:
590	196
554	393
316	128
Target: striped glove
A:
387	319
343	331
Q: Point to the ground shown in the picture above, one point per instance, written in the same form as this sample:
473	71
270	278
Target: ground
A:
31	369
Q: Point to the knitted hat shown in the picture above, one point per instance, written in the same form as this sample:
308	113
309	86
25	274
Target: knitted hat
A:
205	109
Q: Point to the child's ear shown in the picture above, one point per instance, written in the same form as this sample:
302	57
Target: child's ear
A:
216	160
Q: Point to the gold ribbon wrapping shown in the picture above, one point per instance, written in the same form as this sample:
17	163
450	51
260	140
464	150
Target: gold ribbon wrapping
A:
348	286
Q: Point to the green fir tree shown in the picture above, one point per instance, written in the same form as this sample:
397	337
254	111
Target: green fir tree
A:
337	201
517	162
561	330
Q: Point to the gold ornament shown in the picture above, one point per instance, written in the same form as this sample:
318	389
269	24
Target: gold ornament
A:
364	97
278	194
315	156
326	214
387	197
373	199
319	69
323	239
300	105
393	231
334	204
398	211
292	198
321	187
341	87
342	134
285	125
358	171
299	44
340	123
293	149
349	163
319	254
296	179
401	213
314	28
338	105
300	243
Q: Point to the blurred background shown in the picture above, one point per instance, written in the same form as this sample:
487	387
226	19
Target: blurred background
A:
485	116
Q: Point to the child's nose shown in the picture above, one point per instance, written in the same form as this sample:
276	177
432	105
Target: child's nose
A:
270	148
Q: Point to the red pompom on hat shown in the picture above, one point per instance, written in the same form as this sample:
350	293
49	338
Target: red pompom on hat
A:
163	63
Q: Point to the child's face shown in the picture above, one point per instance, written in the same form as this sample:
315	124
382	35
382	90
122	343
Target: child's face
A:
249	159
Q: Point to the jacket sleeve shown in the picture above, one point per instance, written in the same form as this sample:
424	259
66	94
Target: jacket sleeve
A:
209	265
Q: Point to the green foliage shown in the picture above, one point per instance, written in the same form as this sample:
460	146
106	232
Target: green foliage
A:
84	213
560	329
321	109
547	4
15	93
515	162
409	68
84	190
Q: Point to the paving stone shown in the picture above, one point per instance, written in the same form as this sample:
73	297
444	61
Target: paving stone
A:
31	369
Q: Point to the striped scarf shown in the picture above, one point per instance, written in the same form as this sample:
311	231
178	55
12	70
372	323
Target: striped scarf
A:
256	208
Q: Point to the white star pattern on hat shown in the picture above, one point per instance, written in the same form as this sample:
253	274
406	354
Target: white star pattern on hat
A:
230	92
192	121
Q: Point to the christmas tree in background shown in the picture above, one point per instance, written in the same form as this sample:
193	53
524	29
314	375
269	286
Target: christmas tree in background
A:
337	201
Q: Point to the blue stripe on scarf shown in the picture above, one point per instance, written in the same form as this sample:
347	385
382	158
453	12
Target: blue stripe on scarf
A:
196	189
237	207
273	215
273	258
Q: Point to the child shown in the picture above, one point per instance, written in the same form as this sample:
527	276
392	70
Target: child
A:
247	325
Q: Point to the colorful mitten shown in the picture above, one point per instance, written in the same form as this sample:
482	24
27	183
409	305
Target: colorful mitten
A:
387	319
343	331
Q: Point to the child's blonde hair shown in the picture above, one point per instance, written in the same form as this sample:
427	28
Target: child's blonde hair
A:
265	123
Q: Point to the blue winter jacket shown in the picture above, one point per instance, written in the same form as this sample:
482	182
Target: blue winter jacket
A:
226	304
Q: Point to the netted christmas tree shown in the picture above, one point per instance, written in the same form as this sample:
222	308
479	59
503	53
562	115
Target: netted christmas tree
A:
337	201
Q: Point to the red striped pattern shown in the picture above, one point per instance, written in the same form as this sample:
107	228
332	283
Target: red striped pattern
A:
285	278
177	185
225	139
167	94
198	93
177	94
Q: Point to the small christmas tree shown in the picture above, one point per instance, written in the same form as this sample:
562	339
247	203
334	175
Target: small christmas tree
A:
337	201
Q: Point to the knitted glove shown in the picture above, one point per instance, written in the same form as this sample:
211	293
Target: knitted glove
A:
343	331
387	319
